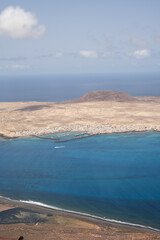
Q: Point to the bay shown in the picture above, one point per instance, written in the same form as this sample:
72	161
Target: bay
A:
113	176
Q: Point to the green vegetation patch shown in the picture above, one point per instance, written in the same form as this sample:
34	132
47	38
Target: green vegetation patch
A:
21	215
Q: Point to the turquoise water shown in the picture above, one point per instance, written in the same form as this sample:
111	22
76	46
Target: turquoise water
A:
113	176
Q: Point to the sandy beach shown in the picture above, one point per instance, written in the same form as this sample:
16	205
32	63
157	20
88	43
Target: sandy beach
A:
37	222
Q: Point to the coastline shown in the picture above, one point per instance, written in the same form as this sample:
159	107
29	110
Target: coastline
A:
88	130
37	206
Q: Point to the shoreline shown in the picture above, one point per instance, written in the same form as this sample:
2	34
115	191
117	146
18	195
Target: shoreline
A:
88	130
38	206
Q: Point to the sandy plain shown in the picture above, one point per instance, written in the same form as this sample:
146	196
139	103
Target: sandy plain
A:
38	118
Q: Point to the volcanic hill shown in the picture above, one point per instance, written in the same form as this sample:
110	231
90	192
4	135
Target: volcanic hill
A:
97	96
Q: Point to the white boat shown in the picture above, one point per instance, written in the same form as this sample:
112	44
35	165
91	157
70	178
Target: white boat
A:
59	147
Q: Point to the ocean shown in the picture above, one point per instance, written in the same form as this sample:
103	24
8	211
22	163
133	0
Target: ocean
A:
115	176
67	87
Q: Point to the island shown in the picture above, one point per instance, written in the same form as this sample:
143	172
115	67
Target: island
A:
98	112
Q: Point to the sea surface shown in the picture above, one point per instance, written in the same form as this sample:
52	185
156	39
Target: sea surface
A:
113	176
67	87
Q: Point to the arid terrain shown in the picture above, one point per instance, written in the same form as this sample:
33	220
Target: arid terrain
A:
96	112
36	223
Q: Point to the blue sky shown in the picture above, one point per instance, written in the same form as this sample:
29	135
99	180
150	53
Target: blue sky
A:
85	36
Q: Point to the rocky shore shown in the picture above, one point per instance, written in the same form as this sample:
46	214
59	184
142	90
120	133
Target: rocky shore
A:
90	130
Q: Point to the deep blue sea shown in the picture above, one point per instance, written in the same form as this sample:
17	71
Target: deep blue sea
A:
114	176
67	87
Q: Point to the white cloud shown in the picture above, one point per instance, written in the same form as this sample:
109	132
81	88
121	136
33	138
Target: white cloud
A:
141	54
15	22
88	54
18	66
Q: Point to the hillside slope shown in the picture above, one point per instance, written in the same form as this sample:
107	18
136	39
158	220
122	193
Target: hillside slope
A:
105	96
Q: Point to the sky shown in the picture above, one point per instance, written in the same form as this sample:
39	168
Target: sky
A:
79	36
